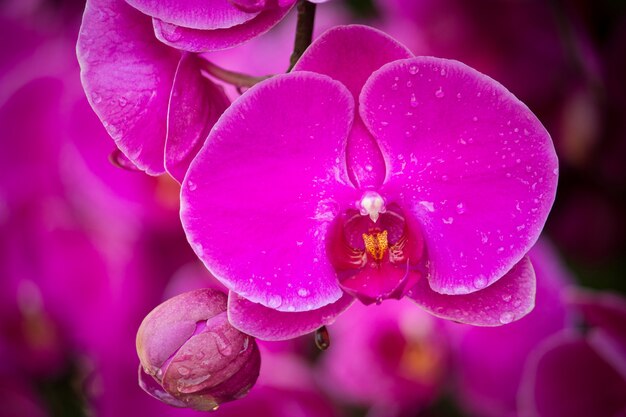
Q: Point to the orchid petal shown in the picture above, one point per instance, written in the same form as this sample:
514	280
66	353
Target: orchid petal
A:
194	14
127	76
268	324
350	54
259	198
507	300
195	105
197	40
468	160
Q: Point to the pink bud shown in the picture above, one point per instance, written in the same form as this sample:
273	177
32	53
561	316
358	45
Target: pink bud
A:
190	354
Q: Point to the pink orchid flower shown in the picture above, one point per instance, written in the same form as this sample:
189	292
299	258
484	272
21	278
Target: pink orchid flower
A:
371	173
574	374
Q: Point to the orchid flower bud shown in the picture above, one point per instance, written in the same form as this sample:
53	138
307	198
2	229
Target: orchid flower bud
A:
190	354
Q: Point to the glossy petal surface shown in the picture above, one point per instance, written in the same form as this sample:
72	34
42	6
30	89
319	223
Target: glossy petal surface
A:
258	218
197	40
267	324
194	14
195	105
350	54
127	76
468	160
507	300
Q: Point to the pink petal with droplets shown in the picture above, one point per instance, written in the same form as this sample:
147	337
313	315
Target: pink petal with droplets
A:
507	300
268	324
127	76
195	105
197	40
194	14
469	160
259	198
350	54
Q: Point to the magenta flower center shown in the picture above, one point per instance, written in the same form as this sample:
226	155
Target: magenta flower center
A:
372	249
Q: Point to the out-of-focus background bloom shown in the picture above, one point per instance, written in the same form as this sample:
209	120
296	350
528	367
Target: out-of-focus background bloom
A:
87	248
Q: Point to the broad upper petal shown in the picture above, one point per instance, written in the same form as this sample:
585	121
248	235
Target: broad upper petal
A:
267	324
127	75
350	54
259	198
507	300
469	160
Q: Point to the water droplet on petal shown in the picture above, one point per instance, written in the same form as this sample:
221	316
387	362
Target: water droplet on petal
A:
122	101
303	292
480	282
506	297
96	98
413	69
460	208
506	317
413	101
170	32
427	205
274	301
192	186
118	159
322	338
439	93
183	370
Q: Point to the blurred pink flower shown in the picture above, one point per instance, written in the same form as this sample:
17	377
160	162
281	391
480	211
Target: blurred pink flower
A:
392	358
434	186
572	374
490	361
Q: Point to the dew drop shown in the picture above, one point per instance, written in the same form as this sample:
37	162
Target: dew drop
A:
384	123
448	220
192	186
443	71
439	93
413	69
506	317
96	98
118	159
413	101
322	338
428	205
274	301
506	297
303	292
170	32
480	282
460	208
122	101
